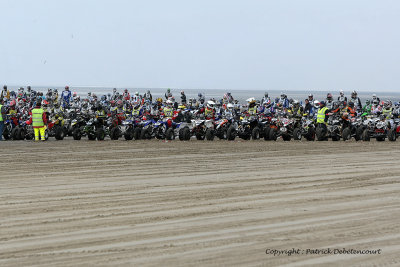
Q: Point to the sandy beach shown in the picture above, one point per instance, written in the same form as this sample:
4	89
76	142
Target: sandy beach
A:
156	203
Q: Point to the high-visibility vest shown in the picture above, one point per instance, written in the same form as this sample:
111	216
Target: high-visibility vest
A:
37	117
168	112
1	116
321	115
252	111
387	113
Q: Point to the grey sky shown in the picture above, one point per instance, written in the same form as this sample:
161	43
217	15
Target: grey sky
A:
314	44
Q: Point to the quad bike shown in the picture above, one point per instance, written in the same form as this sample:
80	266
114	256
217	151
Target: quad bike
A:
285	128
56	128
332	130
304	128
376	127
394	131
201	128
248	128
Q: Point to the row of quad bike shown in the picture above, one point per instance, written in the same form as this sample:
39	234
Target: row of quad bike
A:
229	128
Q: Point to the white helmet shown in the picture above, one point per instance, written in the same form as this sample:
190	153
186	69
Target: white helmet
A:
230	106
210	104
316	103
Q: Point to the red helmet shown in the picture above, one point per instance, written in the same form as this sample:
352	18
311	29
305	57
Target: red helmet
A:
67	87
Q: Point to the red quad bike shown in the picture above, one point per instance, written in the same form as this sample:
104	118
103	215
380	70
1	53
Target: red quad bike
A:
394	131
115	131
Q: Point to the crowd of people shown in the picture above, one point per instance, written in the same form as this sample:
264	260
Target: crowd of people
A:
37	107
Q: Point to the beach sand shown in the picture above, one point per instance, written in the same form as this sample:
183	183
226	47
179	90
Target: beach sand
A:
155	203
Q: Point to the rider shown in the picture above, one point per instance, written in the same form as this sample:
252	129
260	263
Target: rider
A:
168	109
356	100
66	97
341	98
329	101
209	111
183	98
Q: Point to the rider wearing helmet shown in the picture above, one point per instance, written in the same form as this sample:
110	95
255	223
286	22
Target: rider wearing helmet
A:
387	109
311	98
341	97
66	97
168	109
183	98
252	109
168	94
329	101
356	100
209	111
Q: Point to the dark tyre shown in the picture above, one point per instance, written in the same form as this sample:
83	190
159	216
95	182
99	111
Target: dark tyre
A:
186	133
310	134
365	135
231	134
297	134
272	134
170	134
76	134
128	134
266	133
21	134
180	134
137	132
144	134
224	134
392	135
359	132
380	138
114	133
100	134
59	133
346	134
14	134
210	134
255	133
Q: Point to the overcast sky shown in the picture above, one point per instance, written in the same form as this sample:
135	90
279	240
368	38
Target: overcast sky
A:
285	44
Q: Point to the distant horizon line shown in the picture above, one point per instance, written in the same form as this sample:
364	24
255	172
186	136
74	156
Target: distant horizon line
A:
178	88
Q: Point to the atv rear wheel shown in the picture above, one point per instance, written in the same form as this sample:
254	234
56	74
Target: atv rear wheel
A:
297	134
76	134
128	134
14	134
392	135
359	132
255	133
21	134
210	134
272	134
311	134
59	133
170	134
114	133
266	133
365	135
346	134
231	134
